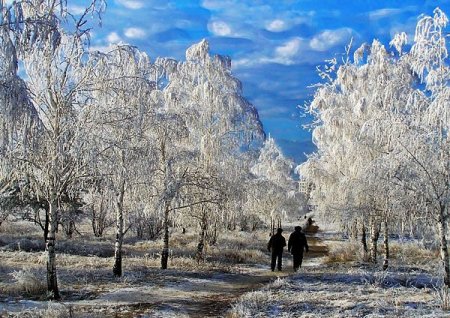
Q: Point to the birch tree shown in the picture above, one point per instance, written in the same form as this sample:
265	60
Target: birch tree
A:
274	178
219	123
404	124
52	162
121	119
355	112
427	149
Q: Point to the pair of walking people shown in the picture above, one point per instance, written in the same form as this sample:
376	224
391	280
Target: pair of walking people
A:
297	243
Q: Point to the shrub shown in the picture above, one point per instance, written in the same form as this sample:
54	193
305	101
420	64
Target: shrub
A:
27	282
341	252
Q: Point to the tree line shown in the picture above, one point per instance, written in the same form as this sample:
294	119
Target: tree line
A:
381	126
143	144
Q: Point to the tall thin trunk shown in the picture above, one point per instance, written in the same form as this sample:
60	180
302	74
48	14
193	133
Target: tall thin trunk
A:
213	237
364	240
374	234
201	242
165	251
52	281
117	268
46	224
442	227
354	230
386	244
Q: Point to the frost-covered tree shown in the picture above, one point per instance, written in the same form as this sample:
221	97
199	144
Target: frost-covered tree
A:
382	133
426	145
274	184
51	163
219	123
120	119
354	137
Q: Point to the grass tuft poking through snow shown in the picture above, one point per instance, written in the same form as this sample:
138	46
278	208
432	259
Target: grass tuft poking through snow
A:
26	281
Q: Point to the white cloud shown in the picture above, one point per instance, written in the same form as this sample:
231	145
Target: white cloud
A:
132	4
289	48
217	4
383	13
287	54
329	38
277	26
135	33
113	37
219	28
74	9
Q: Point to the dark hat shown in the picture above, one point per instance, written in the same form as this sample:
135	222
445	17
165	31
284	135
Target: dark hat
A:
298	228
279	230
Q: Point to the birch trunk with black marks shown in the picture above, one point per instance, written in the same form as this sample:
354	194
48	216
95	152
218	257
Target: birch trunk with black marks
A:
165	251
442	229
52	281
117	268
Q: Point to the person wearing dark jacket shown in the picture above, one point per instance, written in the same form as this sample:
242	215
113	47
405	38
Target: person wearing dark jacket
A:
296	244
276	244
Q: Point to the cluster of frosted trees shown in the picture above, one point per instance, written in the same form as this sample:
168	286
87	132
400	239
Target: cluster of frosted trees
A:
156	144
382	133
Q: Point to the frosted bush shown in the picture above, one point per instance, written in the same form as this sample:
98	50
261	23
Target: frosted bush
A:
27	281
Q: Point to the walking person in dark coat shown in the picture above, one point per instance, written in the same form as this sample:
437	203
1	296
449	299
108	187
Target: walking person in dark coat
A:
296	244
276	244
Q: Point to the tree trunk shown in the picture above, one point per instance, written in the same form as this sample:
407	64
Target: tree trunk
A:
385	244
117	268
442	226
374	235
364	241
201	242
212	238
354	230
99	221
52	282
46	224
165	251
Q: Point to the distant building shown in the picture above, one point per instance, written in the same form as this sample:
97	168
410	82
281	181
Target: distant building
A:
304	186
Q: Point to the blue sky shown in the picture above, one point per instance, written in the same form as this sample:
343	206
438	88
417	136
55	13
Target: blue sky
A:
275	45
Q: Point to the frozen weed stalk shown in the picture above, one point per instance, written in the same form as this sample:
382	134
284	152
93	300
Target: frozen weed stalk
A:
444	297
28	282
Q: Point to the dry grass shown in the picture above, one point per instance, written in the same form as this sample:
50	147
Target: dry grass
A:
443	294
412	253
343	252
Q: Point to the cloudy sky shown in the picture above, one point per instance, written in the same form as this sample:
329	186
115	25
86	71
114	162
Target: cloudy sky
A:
275	45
